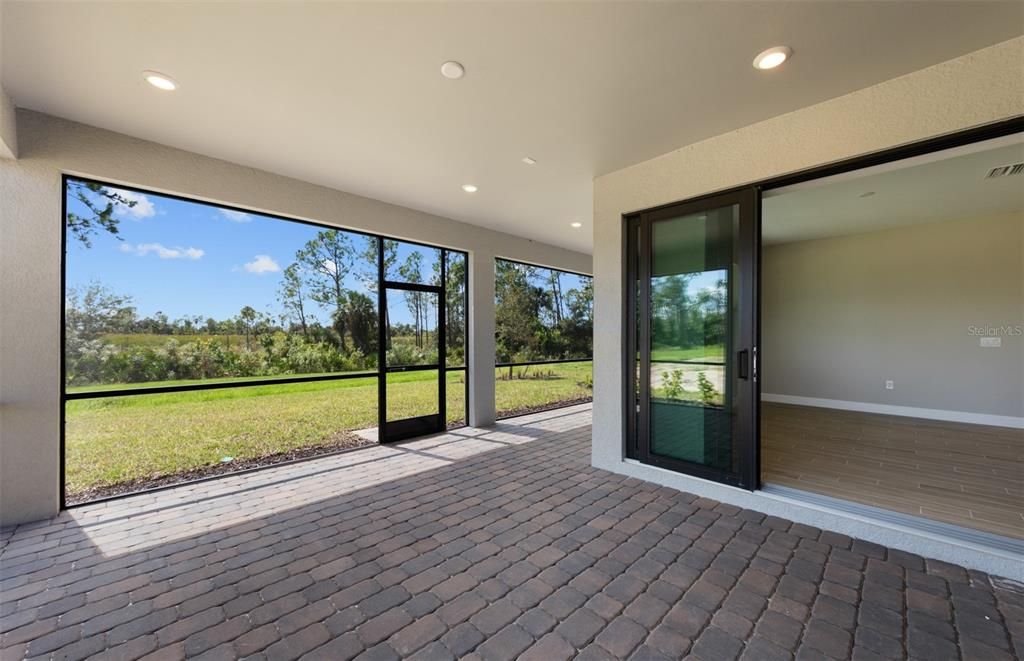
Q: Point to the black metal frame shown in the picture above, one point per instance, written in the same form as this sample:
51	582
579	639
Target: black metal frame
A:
977	134
542	266
740	389
153	390
397	430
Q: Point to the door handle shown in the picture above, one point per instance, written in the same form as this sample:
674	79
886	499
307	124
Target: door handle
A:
743	364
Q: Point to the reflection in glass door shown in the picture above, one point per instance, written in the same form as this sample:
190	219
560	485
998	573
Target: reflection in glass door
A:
692	274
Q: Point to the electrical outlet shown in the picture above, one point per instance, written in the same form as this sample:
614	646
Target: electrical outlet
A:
889	384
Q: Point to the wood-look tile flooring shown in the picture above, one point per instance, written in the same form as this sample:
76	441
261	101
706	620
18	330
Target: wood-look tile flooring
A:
967	475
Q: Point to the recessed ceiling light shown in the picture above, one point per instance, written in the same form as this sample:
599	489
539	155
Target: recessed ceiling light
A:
161	81
453	70
772	57
529	161
469	188
867	194
577	224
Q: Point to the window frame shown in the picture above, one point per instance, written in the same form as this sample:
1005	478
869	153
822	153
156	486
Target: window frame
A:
65	396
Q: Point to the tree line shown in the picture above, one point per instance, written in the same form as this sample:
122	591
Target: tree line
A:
536	318
107	341
683	318
321	323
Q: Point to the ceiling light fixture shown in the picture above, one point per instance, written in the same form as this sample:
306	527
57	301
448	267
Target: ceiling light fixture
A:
772	57
453	70
577	224
160	81
529	161
469	188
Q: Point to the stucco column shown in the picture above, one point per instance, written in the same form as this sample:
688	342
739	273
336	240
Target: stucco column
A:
481	338
30	341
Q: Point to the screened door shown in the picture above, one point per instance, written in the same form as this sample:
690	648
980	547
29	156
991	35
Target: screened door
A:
413	375
693	338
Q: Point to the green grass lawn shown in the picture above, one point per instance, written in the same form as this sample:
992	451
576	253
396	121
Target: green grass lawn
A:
119	439
558	383
710	353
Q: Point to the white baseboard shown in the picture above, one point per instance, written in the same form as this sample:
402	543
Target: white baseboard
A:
907	411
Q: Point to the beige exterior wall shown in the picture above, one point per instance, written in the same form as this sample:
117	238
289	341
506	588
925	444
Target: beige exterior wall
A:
8	129
840	316
973	90
30	296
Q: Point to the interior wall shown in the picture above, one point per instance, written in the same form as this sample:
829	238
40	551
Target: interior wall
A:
30	288
840	316
972	90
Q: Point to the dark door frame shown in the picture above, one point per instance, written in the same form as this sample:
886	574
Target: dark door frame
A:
742	390
630	433
390	431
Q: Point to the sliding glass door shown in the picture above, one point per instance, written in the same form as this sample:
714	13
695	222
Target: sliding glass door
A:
692	338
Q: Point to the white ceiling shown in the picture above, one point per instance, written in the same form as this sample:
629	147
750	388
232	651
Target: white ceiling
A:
350	95
933	189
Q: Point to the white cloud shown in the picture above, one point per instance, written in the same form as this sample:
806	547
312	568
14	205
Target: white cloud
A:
235	216
330	267
262	264
143	207
162	251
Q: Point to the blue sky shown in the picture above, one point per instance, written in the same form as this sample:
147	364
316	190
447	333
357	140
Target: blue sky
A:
191	259
187	259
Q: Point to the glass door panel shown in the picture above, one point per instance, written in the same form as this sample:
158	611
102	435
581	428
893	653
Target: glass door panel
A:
413	387
690	404
695	339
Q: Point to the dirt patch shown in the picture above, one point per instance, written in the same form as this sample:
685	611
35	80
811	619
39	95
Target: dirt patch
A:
337	442
526	410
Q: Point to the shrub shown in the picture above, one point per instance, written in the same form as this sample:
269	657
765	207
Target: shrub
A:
672	383
708	394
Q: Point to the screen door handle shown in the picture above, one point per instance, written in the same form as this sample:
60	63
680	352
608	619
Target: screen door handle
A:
743	364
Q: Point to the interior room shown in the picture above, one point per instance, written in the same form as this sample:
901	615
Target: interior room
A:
893	357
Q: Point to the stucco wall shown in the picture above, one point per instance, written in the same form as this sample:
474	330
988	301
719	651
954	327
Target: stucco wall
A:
976	89
840	316
8	129
30	297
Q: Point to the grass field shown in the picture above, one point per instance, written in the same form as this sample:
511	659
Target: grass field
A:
538	388
711	353
121	439
103	387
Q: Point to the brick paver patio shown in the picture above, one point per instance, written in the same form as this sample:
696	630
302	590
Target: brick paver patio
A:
490	544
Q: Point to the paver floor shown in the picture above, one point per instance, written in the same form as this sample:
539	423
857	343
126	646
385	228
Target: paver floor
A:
492	544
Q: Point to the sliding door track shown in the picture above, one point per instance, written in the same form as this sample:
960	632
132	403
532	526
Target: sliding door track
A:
917	523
